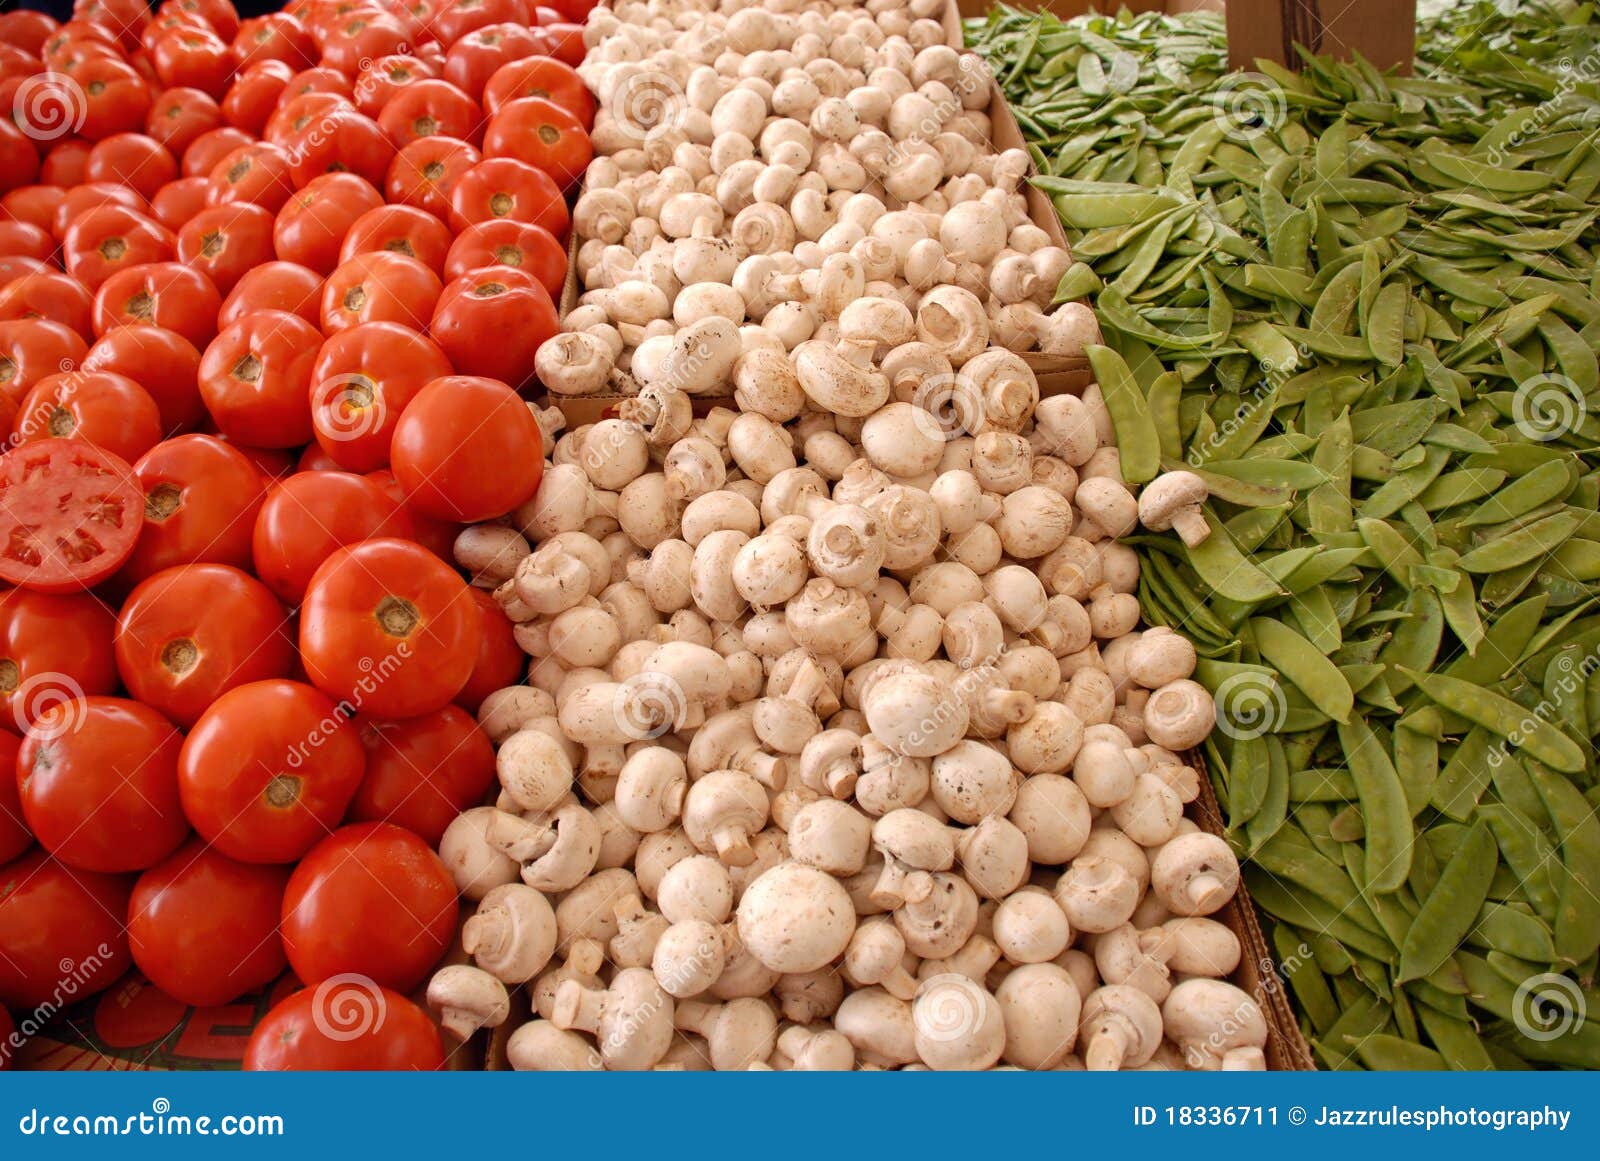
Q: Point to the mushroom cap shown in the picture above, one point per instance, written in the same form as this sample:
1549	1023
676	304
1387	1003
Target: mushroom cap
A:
1041	1007
915	838
795	918
1195	873
1207	1018
1166	495
957	1024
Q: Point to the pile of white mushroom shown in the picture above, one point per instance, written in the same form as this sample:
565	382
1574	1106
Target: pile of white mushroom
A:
841	745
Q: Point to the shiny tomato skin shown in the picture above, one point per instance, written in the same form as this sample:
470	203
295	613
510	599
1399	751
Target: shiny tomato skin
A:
31	349
564	41
163	362
193	58
65	492
258	174
310	516
200	503
317	80
492	321
402	230
85	196
108	410
377	81
478	55
255	376
373	900
423	772
275	36
540	76
379	286
345	1026
546	135
53	647
203	153
423	173
26	29
345	140
530	249
363	36
226	242
268	770
134	159
56	920
431	108
53	296
15	837
24	239
179	116
254	94
283	286
34	204
187	635
501	661
295	117
363	379
204	928
456	20
161	294
389	607
313	223
117	98
437	536
178	201
98	779
467	449
107	239
503	187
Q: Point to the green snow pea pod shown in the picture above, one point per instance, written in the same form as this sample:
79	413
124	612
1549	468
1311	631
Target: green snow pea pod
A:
1505	718
1137	440
1530	856
1387	817
1535	542
1458	1045
1577	926
1218	563
1306	666
1451	907
1548	481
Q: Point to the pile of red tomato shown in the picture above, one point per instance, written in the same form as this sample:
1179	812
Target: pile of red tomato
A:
269	291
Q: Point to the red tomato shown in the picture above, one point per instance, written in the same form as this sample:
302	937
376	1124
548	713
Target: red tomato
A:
189	634
51	295
19	158
464	449
576	11
219	15
317	80
542	133
437	536
164	23
268	770
294	118
254	378
500	662
53	648
26	29
35	204
108	96
98	779
363	36
14	834
310	516
377	81
58	924
254	94
390	628
311	226
204	927
344	140
379	287
111	238
272	462
32	348
194	59
463	16
530	249
123	19
179	116
203	153
133	159
564	41
476	57
314	459
423	173
24	238
178	201
431	108
345	1025
398	230
82	198
363	379
71	515
281	286
372	900
200	499
503	187
422	772
275	36
110	411
258	174
164	362
16	265
540	76
162	294
492	321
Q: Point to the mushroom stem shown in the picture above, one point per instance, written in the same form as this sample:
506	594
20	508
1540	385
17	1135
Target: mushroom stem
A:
1191	525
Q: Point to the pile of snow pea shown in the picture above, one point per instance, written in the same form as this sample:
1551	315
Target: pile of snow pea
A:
1365	309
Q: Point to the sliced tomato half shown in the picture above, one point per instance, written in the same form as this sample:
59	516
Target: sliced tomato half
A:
70	513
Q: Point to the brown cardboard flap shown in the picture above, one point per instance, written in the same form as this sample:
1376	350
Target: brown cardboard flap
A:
1383	31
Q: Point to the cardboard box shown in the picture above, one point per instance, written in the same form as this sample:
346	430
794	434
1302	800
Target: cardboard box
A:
1382	31
1066	9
